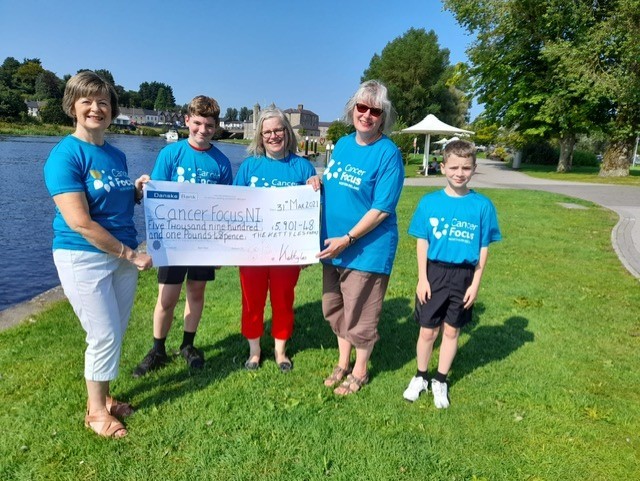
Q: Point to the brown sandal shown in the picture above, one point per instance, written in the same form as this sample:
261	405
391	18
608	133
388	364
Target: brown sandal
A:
351	385
110	425
119	409
337	375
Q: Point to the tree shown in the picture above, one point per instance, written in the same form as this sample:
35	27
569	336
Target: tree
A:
522	66
106	75
27	74
52	113
419	78
48	86
164	100
613	57
338	129
7	72
11	103
149	93
244	114
232	114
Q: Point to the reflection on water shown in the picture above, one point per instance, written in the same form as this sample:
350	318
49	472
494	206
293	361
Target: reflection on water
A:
26	209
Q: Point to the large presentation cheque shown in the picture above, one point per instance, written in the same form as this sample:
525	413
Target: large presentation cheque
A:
223	225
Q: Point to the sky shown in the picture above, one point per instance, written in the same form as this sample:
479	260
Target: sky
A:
241	52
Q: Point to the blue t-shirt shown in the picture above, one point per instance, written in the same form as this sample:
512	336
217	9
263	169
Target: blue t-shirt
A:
180	162
265	172
455	227
101	174
359	178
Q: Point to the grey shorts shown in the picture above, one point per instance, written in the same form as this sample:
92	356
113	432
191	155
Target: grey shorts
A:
449	283
352	302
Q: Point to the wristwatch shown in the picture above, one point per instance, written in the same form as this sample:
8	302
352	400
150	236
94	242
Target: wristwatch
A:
352	240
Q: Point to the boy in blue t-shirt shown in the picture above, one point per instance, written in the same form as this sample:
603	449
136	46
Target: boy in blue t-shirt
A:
454	228
194	160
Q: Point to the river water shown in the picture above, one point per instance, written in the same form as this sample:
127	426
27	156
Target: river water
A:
27	210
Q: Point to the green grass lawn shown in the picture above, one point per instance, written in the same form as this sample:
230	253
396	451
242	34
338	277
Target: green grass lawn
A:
580	174
545	385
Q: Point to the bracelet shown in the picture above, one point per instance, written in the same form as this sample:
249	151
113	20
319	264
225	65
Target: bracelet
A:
352	240
121	250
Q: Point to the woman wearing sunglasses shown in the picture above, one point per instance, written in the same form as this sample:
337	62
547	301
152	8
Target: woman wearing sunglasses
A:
362	185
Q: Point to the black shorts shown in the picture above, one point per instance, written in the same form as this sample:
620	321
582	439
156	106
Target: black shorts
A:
176	274
449	283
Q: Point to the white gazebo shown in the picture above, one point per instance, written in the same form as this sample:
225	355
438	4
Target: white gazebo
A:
432	125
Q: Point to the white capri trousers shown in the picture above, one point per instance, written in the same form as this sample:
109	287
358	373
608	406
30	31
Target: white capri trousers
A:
101	289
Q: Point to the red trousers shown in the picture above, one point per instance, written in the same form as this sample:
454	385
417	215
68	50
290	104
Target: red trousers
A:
280	281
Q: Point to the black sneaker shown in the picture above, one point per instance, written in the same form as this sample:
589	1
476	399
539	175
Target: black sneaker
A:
193	356
152	361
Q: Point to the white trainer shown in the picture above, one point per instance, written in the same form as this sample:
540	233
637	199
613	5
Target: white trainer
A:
440	394
416	386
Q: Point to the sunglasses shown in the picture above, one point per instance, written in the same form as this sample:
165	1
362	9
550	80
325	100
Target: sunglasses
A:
362	108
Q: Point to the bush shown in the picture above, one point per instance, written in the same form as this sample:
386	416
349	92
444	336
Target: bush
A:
498	153
584	159
543	153
540	153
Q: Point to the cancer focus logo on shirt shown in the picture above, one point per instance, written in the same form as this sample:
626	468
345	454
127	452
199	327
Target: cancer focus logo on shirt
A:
115	179
457	230
349	176
255	181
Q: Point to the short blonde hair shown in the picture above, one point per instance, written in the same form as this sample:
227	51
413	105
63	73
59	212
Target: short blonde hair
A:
88	84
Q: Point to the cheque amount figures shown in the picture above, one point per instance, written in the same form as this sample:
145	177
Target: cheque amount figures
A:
296	204
294	225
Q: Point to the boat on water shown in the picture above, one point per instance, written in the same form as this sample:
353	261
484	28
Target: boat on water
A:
171	135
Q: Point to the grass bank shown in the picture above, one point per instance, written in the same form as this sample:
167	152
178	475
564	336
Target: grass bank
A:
545	385
11	128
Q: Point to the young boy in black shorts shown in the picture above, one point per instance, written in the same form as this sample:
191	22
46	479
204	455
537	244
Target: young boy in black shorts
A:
193	160
454	228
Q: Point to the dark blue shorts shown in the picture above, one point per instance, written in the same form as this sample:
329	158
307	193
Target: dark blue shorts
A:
449	283
176	274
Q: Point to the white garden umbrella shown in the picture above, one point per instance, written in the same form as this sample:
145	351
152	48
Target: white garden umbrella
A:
432	125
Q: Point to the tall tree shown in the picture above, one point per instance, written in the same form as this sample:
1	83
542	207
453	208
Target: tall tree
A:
7	72
48	86
27	74
419	78
163	100
614	62
244	113
106	75
232	114
523	66
149	93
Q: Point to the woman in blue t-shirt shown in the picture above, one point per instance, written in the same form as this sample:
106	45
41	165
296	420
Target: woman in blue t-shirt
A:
273	163
95	239
361	188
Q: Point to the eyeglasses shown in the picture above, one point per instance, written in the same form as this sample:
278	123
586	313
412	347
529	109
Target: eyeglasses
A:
268	133
362	108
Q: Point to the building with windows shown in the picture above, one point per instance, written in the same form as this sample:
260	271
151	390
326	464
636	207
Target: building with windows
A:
305	123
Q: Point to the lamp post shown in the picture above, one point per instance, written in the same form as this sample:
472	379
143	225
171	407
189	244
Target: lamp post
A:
328	151
306	146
